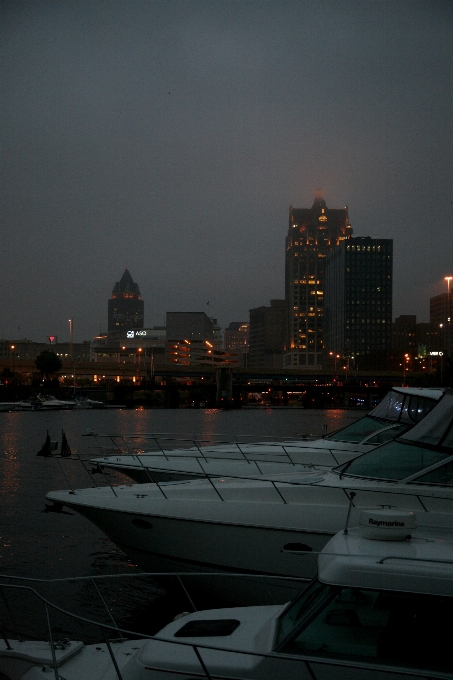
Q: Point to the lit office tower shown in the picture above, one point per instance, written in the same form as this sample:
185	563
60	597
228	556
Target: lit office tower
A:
358	297
126	308
313	232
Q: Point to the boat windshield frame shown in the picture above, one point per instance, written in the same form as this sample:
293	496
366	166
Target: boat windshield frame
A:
381	423
446	454
310	603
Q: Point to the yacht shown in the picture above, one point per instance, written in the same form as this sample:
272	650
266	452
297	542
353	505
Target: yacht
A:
401	409
274	524
46	403
50	402
87	403
379	607
10	406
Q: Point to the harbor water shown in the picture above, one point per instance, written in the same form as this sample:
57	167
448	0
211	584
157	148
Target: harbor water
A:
47	545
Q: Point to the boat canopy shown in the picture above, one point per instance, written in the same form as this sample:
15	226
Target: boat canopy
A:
437	428
403	406
406	406
428	447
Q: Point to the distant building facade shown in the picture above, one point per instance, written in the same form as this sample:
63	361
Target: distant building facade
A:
125	307
415	339
237	339
312	234
441	317
185	330
189	326
237	336
404	335
27	349
358	297
217	338
195	352
267	335
428	339
144	345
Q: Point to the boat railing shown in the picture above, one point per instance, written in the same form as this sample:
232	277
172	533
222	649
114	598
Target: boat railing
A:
130	443
277	663
202	475
215	482
193	448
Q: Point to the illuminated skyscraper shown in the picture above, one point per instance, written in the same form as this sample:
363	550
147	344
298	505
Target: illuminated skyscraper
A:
126	308
313	232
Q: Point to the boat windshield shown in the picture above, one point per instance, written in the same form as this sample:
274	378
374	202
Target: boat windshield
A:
395	460
404	629
364	428
442	475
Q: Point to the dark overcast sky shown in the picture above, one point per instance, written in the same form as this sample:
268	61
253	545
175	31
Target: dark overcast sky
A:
171	137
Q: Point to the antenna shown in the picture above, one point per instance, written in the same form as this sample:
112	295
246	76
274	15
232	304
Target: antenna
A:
352	495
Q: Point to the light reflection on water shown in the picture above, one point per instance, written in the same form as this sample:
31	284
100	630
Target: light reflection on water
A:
50	545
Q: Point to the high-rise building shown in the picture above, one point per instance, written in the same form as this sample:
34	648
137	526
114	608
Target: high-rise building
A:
313	233
358	297
126	308
267	335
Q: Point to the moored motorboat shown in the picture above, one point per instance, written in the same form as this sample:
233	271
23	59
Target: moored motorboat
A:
10	406
401	409
49	402
273	524
377	609
87	403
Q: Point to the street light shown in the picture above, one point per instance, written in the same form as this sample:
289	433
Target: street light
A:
13	347
448	279
139	355
405	361
71	328
335	357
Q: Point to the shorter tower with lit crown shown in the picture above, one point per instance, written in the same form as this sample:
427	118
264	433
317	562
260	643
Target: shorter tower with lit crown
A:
126	308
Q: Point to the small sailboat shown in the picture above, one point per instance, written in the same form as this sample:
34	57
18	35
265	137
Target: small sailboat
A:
65	448
45	449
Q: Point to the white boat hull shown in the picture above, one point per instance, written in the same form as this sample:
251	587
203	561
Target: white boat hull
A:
251	530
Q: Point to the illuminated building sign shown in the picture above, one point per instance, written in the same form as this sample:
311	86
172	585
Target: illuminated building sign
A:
436	354
140	334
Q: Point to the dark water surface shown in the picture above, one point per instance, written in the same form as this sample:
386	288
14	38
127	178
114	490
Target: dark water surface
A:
49	545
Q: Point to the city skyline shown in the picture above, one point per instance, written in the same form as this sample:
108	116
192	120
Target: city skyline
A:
181	163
